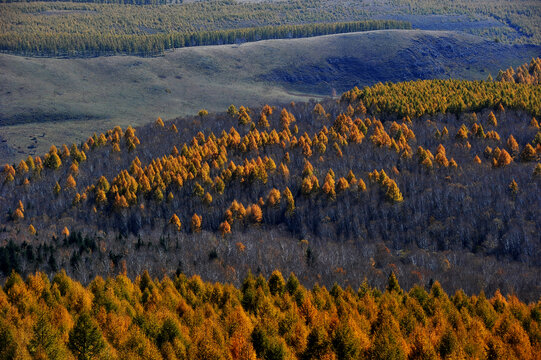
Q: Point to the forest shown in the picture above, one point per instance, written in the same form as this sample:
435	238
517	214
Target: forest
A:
264	318
93	28
422	178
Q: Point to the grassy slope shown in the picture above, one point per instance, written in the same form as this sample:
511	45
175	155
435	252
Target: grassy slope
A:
80	96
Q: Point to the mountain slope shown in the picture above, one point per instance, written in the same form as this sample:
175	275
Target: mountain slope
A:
430	179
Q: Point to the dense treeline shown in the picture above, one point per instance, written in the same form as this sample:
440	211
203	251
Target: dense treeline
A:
267	187
52	44
418	98
274	318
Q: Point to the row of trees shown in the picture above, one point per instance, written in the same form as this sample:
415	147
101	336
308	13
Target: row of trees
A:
274	318
79	44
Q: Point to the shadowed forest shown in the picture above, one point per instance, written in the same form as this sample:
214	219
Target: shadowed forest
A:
420	178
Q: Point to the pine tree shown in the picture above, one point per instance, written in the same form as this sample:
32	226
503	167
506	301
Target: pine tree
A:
387	343
70	182
528	154
207	199
504	158
175	221
232	110
290	200
276	283
159	123
85	339
45	341
244	118
512	145
492	119
53	161
319	110
318	345
392	283
393	193
263	123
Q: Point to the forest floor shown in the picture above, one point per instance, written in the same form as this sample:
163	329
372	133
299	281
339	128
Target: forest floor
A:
52	100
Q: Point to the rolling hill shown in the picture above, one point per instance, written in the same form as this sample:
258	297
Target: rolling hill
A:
68	99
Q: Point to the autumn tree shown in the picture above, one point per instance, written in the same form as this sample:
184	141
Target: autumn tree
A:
196	223
276	283
319	110
175	221
244	118
393	193
224	228
346	343
46	341
290	201
274	197
52	160
85	339
512	145
70	182
263	123
18	214
387	340
528	153
22	168
285	119
232	110
254	213
318	346
504	158
492	119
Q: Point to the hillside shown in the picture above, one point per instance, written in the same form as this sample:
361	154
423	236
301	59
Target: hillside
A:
433	179
76	97
89	27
